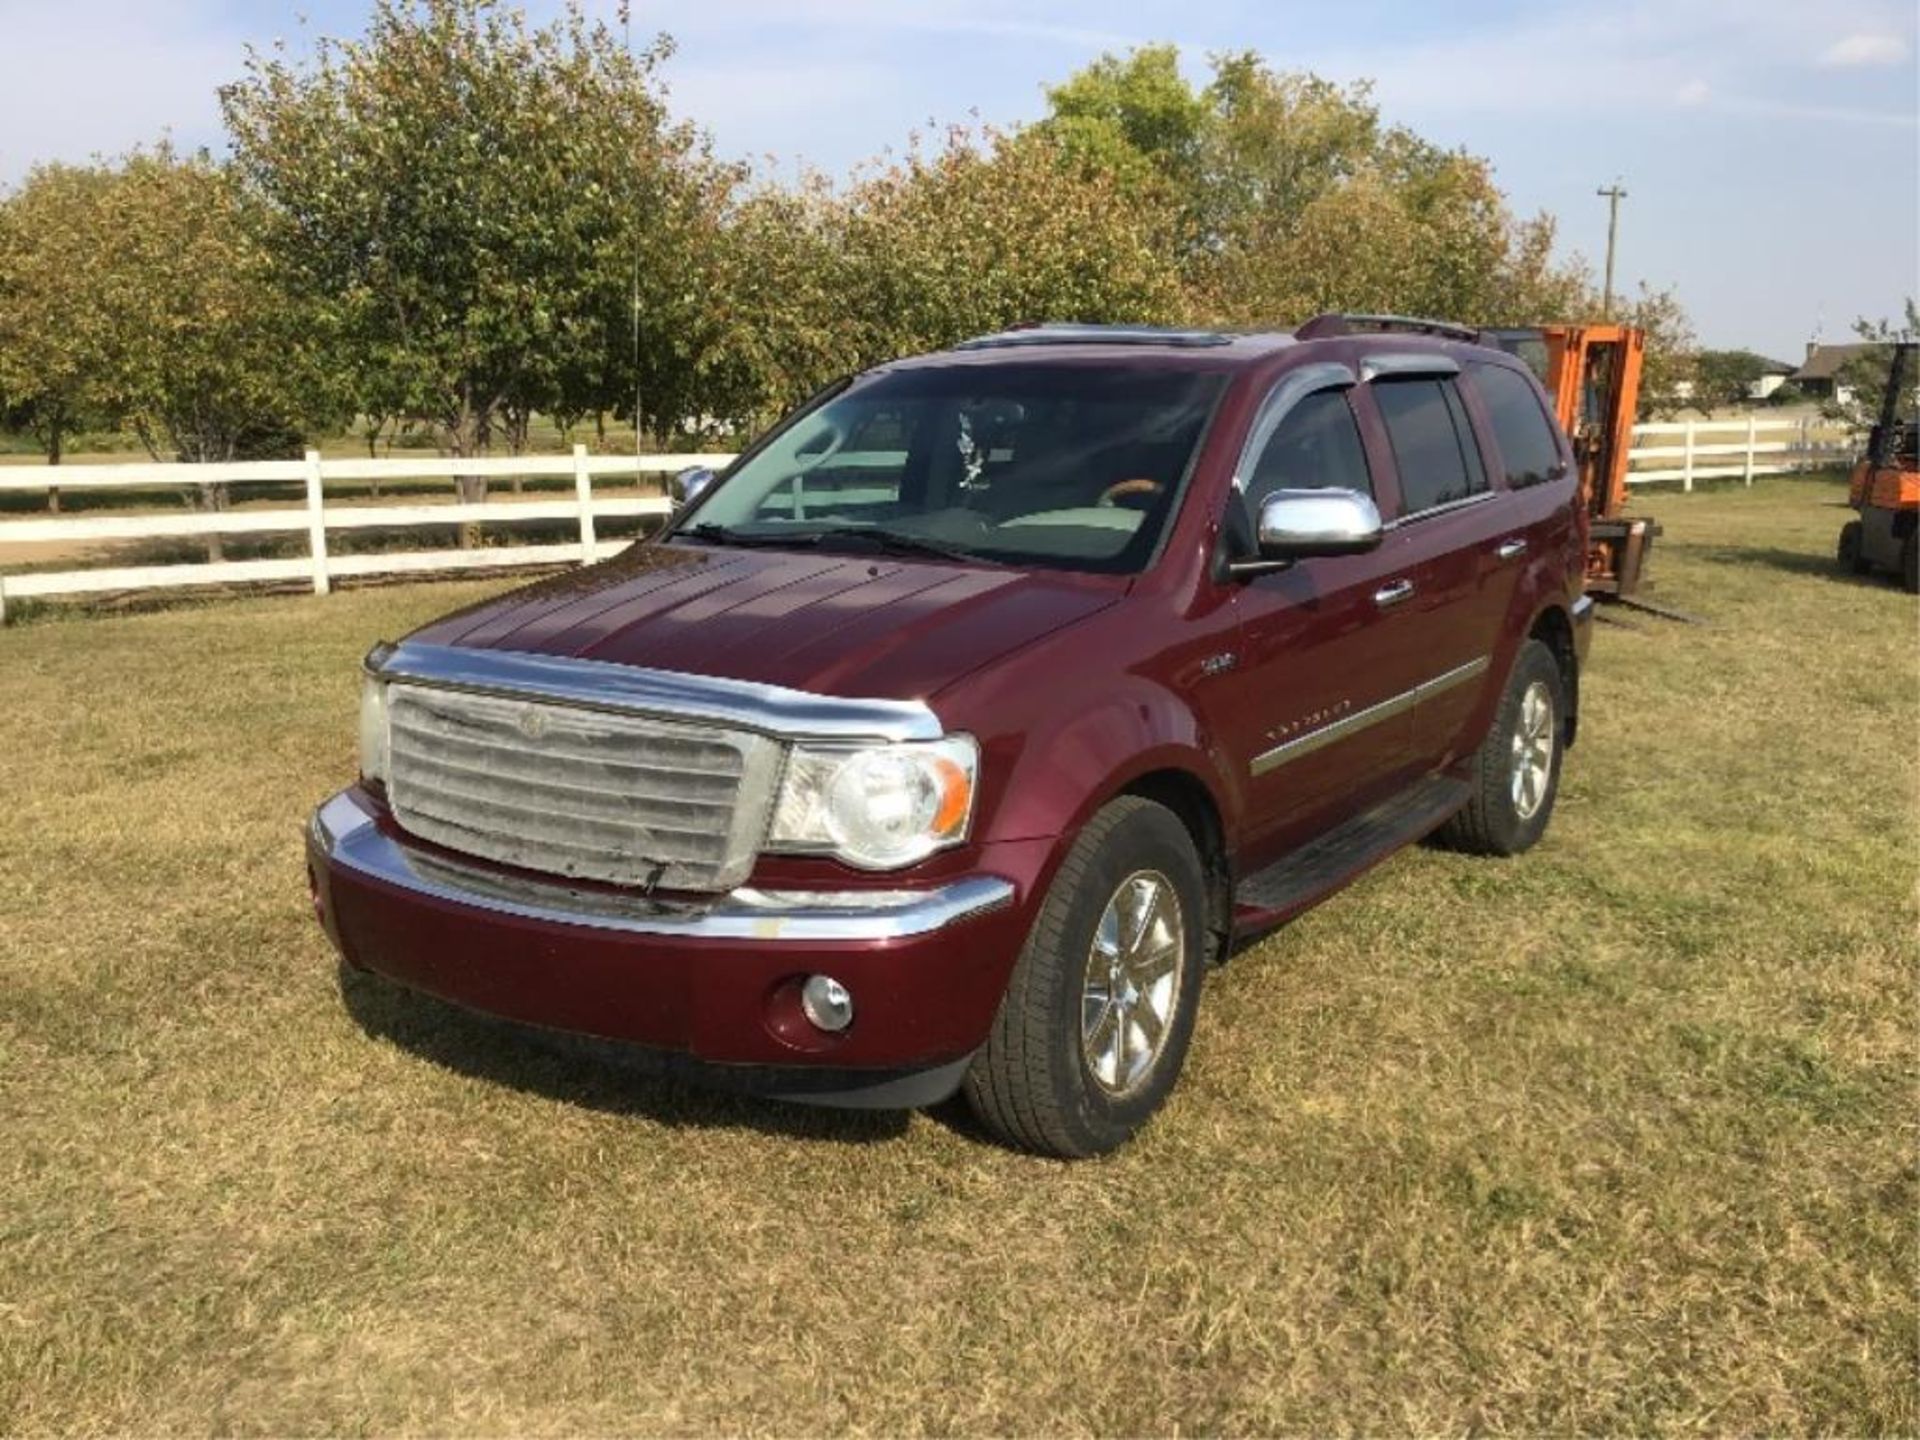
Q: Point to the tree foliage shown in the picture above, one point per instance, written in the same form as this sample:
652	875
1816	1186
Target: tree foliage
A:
1269	176
1860	387
204	358
52	349
1725	378
476	205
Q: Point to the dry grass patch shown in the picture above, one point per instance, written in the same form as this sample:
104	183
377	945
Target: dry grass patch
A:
1617	1137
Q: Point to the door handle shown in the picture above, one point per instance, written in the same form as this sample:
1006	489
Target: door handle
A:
1393	594
1508	549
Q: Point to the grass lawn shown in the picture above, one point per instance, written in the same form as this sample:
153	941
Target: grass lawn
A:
1616	1137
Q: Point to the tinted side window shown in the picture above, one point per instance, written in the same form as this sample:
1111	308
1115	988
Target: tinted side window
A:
1316	447
1433	445
1520	429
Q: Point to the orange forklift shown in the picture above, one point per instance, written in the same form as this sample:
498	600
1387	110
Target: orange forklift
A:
1885	484
1592	375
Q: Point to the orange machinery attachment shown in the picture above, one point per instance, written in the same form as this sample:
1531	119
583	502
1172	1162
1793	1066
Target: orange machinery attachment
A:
1592	375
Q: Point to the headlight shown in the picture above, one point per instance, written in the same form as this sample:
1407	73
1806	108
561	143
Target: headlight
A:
877	808
373	729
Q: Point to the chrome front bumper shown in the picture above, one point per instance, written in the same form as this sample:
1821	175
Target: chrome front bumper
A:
348	836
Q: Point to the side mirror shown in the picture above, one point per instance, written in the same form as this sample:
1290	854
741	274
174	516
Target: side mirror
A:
688	486
1300	524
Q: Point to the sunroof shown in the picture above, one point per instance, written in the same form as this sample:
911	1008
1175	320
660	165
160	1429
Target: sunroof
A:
1098	335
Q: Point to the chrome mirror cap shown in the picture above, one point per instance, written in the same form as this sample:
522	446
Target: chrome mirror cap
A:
1296	524
687	486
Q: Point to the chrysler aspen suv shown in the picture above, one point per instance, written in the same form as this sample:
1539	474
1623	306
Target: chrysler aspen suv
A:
948	738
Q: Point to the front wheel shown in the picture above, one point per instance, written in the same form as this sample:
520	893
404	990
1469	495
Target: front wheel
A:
1516	771
1099	1013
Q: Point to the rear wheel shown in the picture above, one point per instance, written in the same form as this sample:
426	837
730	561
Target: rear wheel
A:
1516	772
1098	1015
1851	551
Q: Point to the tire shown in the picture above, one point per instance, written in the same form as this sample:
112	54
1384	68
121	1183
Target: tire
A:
1851	550
1910	561
1497	819
1040	1083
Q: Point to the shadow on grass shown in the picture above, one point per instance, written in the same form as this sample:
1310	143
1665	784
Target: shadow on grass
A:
580	1070
1792	562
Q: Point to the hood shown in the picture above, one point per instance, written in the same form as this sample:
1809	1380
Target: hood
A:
835	624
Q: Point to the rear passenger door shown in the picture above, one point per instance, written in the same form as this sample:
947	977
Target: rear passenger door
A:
1454	572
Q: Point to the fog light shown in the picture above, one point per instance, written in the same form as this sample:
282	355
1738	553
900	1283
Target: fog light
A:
826	1003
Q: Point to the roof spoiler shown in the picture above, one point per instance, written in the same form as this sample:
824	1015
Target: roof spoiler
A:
1331	326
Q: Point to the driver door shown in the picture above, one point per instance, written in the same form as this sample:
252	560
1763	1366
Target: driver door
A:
1316	712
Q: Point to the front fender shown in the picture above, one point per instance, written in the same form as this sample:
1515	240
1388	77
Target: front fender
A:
1049	779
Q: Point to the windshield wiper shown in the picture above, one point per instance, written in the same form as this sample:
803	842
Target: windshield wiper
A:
896	542
900	542
712	533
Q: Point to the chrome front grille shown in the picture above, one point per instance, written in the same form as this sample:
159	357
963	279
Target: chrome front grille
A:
593	794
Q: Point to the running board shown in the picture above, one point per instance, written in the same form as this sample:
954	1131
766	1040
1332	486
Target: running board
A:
1290	885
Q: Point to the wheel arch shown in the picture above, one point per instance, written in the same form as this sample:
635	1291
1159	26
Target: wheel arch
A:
1193	804
1553	627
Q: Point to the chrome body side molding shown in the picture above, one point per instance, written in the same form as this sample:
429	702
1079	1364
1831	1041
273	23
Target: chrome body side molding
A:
1313	740
600	685
347	836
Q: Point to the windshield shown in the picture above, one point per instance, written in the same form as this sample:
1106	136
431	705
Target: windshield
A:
1062	466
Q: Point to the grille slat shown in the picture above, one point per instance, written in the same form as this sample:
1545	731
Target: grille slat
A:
593	833
512	743
589	795
577	792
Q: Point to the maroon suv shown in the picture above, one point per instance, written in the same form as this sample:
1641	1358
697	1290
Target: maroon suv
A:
949	737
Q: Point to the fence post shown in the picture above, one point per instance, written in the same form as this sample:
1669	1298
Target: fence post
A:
1686	472
1752	430
317	524
583	492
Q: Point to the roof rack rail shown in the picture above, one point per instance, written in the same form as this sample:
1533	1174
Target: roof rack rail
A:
1062	333
1329	326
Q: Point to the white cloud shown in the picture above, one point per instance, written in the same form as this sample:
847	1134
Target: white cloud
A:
1694	92
1865	49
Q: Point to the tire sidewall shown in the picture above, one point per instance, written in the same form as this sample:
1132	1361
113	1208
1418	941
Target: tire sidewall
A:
1535	663
1151	838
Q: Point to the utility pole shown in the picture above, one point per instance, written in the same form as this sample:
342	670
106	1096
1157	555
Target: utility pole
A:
1615	194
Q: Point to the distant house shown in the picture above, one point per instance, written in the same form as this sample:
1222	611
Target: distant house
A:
1820	376
1773	375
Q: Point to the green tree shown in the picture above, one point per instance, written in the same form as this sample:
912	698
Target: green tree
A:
200	354
495	218
1269	176
991	230
1725	378
51	344
1670	349
1860	387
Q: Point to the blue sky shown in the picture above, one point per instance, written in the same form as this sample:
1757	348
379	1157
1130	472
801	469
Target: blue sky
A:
1770	148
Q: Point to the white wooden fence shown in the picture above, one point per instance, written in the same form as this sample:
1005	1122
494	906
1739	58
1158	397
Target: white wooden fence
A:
317	516
1682	452
1690	450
